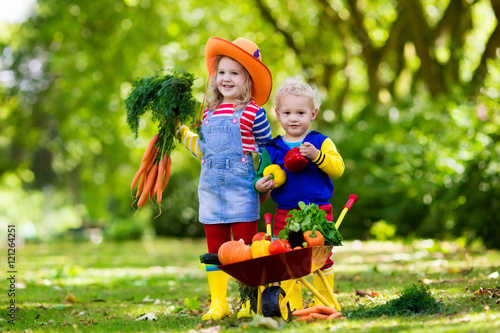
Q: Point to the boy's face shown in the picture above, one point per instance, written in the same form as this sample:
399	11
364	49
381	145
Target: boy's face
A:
231	78
295	114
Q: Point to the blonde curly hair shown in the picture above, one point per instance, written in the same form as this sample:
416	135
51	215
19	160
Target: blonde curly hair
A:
297	87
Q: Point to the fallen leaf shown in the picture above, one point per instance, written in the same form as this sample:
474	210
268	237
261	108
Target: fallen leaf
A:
147	316
98	300
431	281
70	297
147	299
492	292
362	293
264	322
210	329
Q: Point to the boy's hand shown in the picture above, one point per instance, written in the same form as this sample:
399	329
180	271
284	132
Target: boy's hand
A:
264	184
264	197
308	150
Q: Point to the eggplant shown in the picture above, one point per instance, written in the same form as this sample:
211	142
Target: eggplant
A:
295	235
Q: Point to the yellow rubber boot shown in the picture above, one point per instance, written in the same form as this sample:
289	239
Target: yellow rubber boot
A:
217	282
321	289
295	295
246	311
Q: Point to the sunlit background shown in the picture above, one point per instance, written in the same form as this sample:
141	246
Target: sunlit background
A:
410	95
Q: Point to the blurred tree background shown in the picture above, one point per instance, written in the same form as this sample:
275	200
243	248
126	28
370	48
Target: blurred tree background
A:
410	97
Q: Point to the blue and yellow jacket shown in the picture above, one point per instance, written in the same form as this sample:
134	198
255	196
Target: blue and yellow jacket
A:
311	184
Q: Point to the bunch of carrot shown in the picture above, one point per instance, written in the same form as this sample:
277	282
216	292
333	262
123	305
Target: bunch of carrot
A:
317	312
153	174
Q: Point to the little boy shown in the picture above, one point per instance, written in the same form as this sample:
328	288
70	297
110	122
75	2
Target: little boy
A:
296	106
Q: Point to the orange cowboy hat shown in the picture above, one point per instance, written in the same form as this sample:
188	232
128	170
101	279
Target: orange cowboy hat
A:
247	53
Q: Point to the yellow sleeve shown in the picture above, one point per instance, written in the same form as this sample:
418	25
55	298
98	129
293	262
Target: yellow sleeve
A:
189	140
329	160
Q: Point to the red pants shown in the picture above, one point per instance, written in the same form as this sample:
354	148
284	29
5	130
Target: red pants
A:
282	214
218	234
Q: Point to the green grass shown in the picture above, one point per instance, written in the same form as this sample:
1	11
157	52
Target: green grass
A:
111	280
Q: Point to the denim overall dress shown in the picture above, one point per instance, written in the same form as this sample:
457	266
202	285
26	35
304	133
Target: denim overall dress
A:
225	189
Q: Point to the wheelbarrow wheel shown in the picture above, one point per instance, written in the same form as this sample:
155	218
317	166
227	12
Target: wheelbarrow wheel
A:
272	303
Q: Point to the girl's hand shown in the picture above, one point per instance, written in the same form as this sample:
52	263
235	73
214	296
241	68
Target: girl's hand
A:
264	184
308	150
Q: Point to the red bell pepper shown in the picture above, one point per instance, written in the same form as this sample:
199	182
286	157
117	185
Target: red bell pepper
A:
294	161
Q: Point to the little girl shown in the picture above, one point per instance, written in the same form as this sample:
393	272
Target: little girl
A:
233	127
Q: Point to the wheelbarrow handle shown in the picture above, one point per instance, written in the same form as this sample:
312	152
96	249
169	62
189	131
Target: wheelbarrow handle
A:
268	217
352	199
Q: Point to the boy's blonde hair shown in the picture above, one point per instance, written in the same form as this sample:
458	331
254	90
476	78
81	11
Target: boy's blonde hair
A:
297	87
215	97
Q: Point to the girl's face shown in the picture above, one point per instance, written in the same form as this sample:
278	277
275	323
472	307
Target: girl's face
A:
295	114
231	78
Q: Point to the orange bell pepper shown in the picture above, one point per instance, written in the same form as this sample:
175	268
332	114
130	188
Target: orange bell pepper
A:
314	239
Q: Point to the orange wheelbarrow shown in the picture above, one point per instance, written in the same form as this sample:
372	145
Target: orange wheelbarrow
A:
272	300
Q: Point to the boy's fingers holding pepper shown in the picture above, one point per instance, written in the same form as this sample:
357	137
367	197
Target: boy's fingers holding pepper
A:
308	150
269	182
265	184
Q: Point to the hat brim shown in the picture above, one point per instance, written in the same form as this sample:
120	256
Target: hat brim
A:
262	81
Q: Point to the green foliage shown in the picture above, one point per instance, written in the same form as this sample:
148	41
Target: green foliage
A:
168	96
127	229
381	230
413	300
248	294
192	303
432	172
416	122
310	217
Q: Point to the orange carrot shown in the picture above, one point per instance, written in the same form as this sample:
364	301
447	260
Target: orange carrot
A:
152	160
305	312
335	315
141	183
136	177
168	171
145	165
149	149
147	187
159	180
326	309
152	190
303	318
319	316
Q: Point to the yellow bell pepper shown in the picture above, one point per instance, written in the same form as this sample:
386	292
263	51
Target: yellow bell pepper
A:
277	173
260	248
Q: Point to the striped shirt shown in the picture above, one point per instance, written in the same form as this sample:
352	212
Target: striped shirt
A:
254	126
